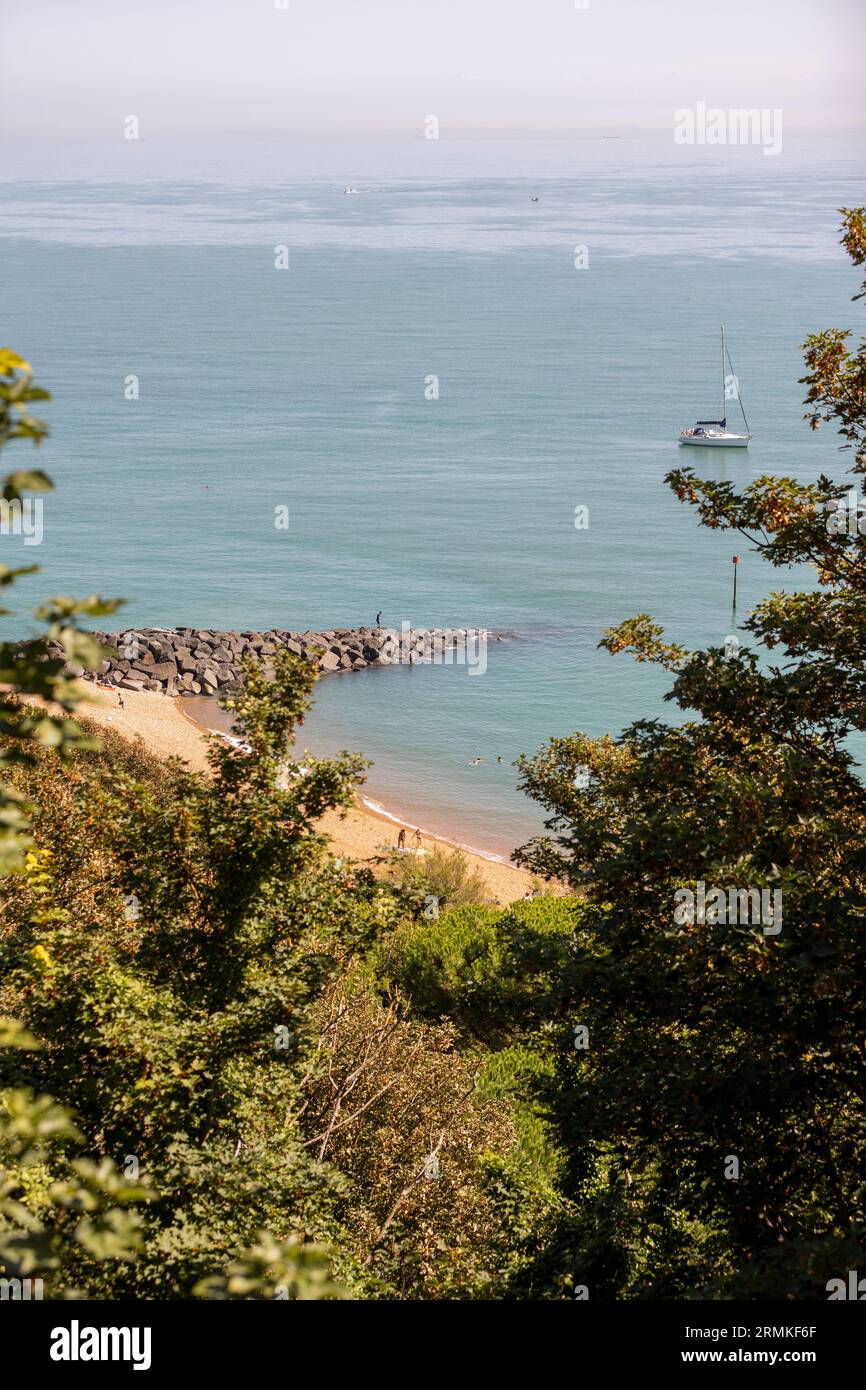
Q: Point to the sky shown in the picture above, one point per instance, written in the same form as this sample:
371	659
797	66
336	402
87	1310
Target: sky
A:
77	68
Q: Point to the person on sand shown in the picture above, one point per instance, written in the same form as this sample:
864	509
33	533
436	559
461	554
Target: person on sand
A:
401	839
119	701
417	839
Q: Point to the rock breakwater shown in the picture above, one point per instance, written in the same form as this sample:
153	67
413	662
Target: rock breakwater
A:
201	661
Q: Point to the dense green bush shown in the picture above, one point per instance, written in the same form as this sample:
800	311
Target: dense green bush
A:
477	965
440	879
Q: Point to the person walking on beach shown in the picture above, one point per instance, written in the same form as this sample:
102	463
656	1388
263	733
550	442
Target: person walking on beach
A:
417	839
401	839
119	700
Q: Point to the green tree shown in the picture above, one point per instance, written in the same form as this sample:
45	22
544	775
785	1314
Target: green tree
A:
713	1113
27	667
59	1211
52	1204
176	1005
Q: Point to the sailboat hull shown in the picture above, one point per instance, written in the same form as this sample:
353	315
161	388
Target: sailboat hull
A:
715	441
714	434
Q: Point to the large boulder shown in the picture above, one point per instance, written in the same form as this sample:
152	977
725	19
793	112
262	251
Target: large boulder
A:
157	670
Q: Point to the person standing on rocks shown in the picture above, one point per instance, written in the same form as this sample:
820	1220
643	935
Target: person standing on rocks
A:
379	618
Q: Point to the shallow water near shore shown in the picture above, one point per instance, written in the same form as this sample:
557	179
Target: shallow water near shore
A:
423	725
305	389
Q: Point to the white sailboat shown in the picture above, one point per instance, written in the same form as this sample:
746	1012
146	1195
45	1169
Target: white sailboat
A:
714	434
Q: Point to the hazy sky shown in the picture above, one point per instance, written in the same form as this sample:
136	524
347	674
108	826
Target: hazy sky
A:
71	68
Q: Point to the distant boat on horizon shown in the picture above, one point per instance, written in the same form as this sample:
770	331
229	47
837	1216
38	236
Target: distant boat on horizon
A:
714	434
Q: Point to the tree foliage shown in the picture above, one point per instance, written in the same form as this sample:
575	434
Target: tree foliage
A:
26	667
717	1040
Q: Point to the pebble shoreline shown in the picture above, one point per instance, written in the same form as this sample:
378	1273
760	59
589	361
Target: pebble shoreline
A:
201	661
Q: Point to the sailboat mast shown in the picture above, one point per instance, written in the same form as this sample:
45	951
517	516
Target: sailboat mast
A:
724	408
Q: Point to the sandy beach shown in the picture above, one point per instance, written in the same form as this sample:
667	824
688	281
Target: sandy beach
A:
358	834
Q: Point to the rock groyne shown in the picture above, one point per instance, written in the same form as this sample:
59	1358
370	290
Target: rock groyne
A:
202	661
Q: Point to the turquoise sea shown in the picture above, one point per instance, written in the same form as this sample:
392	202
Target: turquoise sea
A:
305	387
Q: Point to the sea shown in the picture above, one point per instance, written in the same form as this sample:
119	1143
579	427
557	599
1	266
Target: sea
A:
449	395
